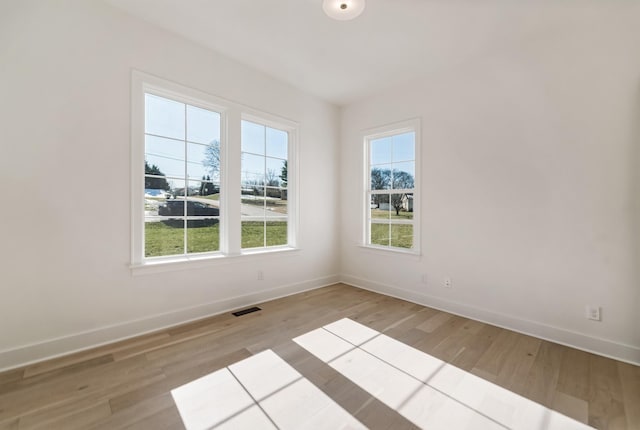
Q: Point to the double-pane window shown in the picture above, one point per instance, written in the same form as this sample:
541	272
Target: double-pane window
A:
391	189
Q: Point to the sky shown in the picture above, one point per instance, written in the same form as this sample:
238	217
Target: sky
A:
173	130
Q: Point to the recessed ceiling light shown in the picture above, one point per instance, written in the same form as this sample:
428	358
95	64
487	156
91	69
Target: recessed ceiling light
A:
343	10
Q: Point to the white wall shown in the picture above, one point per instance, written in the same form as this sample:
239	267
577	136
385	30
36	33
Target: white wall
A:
65	70
530	185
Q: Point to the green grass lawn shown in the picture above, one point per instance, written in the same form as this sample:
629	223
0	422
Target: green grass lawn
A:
168	238
253	233
399	235
379	213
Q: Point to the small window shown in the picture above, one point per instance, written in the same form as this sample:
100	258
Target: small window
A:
264	178
391	196
181	178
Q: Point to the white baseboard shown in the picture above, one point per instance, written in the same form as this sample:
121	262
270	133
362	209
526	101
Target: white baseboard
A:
627	353
32	353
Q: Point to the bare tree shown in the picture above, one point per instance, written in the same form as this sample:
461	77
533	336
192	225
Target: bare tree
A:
212	159
272	178
400	180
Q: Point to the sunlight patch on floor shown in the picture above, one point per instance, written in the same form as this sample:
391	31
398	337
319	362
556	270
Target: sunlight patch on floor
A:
425	390
260	392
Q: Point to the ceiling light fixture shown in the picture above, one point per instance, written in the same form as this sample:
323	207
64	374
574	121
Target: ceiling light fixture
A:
343	10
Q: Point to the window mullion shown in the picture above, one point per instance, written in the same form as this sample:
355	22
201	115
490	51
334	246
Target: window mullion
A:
186	185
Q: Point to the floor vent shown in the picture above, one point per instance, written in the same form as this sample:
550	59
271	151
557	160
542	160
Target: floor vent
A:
247	311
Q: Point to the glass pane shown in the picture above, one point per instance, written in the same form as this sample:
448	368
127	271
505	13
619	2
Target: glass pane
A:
380	234
380	206
404	147
253	170
284	174
402	206
276	203
277	143
172	209
209	158
381	177
203	161
153	199
208	190
164	117
156	188
193	188
252	234
396	205
176	188
253	137
275	170
381	150
203	126
403	175
203	235
166	155
402	235
252	205
163	237
276	233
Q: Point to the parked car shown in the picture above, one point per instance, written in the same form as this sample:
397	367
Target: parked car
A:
176	208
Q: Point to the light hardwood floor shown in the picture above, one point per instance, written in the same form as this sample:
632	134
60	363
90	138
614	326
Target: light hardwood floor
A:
128	384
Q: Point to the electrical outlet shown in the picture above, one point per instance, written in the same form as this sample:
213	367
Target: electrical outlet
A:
260	275
447	282
593	313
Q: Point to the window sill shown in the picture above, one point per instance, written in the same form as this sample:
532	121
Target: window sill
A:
393	251
204	261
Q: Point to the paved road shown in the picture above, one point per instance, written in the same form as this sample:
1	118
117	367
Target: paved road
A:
248	212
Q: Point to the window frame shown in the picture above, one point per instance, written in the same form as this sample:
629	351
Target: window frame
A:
291	129
231	114
394	129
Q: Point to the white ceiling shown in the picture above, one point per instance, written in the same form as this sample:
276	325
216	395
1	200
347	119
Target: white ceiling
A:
393	41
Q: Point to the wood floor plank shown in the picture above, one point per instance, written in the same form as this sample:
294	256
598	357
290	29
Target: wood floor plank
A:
454	343
606	402
168	419
573	378
175	378
138	412
127	384
497	354
80	419
45	417
630	381
515	370
543	376
434	322
570	406
475	347
72	387
9	425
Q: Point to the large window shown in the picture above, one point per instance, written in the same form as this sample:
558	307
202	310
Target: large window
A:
391	192
182	178
210	178
264	185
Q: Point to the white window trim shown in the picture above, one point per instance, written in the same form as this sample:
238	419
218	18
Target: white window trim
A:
292	172
412	125
231	113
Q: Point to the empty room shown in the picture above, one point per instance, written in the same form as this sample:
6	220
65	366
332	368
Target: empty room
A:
320	214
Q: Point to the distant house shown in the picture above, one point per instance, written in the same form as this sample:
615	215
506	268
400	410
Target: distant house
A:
407	202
